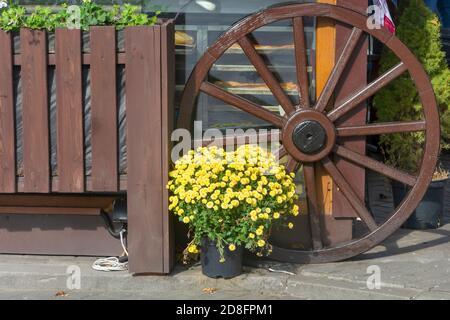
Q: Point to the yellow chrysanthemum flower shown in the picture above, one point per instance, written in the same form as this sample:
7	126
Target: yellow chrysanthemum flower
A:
295	210
186	220
290	225
231	247
193	249
261	243
174	201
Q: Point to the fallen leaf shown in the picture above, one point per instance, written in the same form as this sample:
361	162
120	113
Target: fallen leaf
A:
61	294
209	290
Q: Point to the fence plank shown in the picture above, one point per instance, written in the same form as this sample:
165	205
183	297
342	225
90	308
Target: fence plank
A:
145	191
35	111
104	109
168	90
7	133
70	149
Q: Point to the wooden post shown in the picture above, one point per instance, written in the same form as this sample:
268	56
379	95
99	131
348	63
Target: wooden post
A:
329	41
355	78
325	58
148	125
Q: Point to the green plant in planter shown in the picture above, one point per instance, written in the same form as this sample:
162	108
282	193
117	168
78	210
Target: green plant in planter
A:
129	15
41	18
232	198
12	17
60	18
92	14
86	14
419	29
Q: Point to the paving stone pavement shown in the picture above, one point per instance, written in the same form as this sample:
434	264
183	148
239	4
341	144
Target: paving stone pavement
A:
412	264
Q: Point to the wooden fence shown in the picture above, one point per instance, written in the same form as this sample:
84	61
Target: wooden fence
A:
147	56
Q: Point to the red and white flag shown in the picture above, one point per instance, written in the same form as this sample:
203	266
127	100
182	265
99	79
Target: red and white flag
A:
383	15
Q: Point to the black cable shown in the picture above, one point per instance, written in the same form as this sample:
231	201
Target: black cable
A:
110	227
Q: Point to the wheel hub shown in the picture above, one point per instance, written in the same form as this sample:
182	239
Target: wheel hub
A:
309	137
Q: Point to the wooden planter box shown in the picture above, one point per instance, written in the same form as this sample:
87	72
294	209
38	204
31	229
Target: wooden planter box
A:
86	115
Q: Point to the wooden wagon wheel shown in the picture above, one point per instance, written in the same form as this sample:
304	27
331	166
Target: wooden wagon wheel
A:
321	124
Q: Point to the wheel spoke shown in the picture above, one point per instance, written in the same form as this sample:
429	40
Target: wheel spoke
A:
313	210
238	140
339	68
266	74
291	165
301	59
349	194
376	166
241	103
381	128
367	92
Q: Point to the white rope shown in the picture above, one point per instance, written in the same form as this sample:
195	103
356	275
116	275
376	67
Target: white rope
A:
109	264
281	271
112	263
122	242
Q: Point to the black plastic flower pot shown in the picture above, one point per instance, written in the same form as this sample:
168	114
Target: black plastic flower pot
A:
211	265
429	212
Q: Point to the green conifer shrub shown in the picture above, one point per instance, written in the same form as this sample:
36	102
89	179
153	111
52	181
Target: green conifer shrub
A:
419	28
